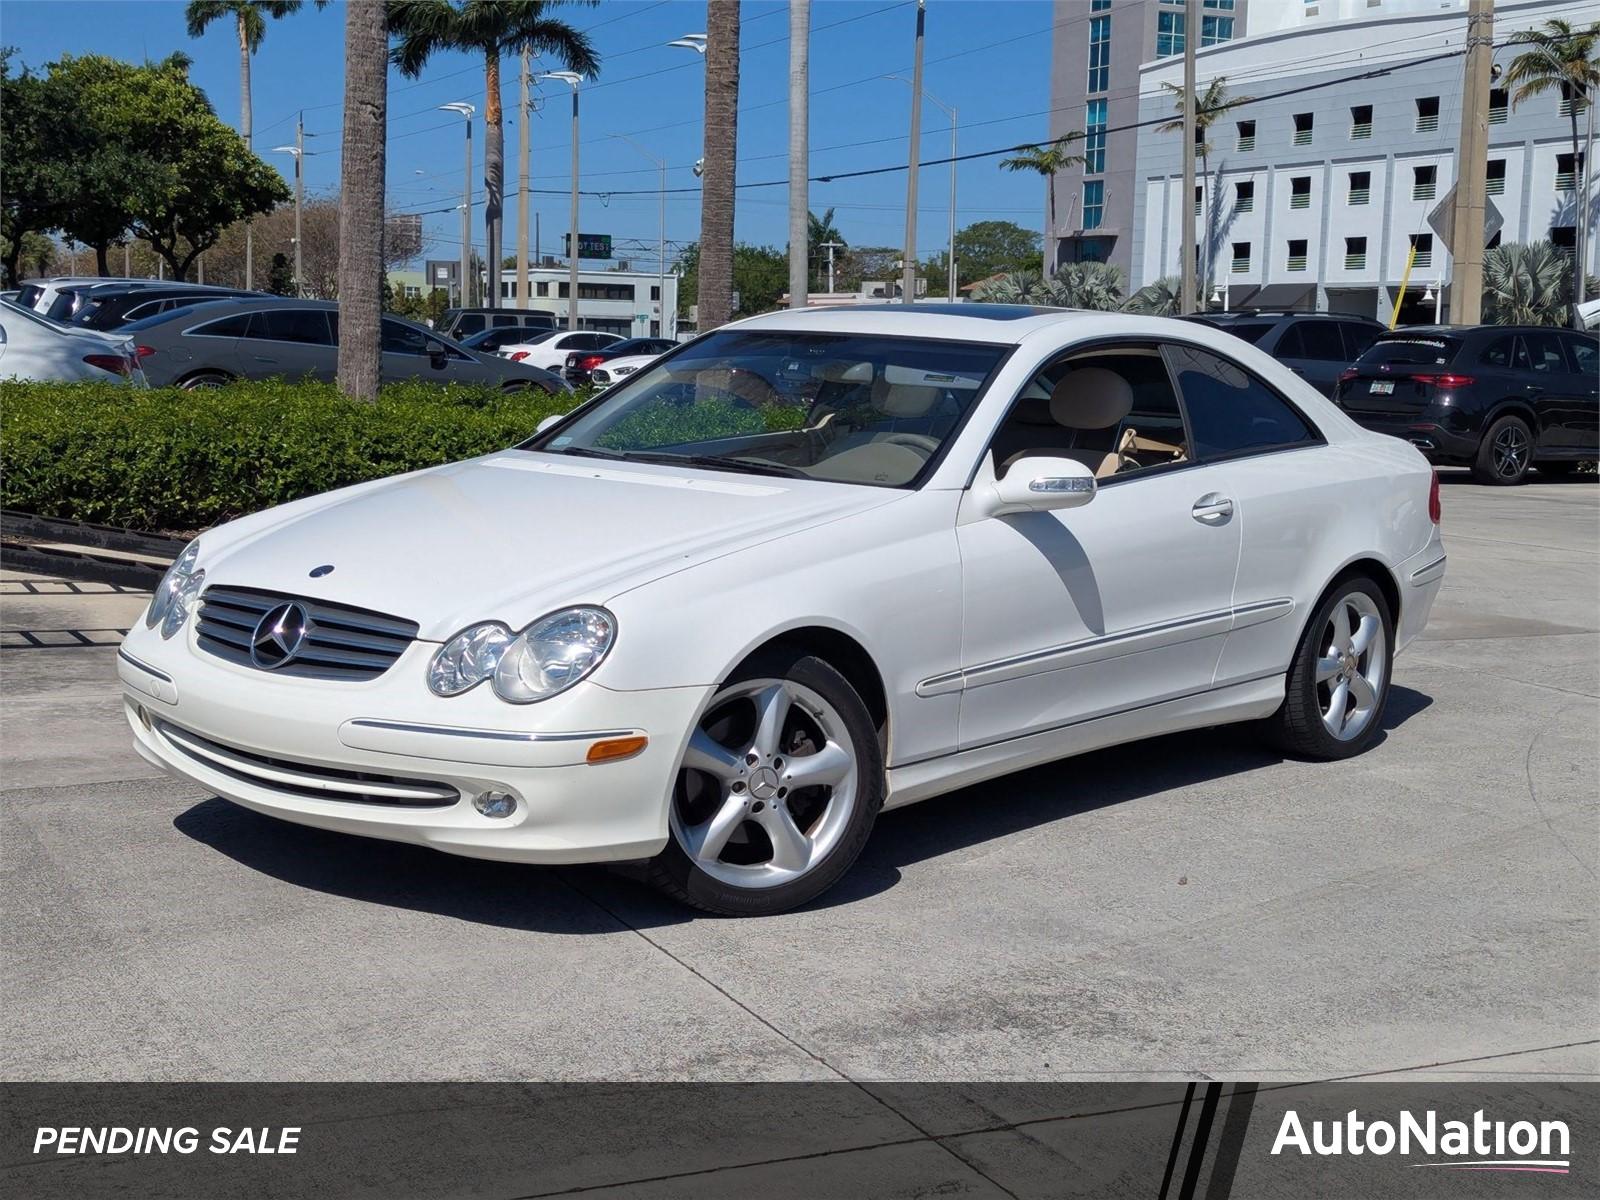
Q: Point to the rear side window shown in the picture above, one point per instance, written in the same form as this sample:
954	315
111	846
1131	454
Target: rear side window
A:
468	323
1231	411
1411	352
1504	352
29	296
1357	339
403	339
229	327
307	326
1318	340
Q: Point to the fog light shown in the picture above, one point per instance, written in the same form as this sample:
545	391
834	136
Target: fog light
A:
495	804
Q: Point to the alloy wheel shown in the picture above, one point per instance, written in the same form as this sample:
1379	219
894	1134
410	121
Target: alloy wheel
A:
1510	452
1351	664
768	785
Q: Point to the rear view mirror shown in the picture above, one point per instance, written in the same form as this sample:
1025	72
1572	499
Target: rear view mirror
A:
1043	484
548	422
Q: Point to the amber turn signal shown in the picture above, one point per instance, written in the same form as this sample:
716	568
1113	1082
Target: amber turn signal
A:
613	749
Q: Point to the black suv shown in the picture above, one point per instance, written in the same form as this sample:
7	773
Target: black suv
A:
1315	346
110	308
461	323
1497	398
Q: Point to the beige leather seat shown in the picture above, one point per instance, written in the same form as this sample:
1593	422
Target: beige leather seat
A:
1087	399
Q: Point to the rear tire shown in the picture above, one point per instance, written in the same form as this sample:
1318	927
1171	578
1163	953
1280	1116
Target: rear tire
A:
746	836
1504	454
205	381
1338	683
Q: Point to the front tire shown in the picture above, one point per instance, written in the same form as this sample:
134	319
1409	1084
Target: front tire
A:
1504	454
778	790
205	381
1338	684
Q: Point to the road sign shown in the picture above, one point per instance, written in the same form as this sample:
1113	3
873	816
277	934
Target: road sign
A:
590	245
1442	219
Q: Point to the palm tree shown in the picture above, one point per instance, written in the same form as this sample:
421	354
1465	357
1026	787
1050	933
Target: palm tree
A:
1158	299
715	284
1559	58
1096	286
1209	108
489	28
1048	161
1018	287
250	18
1526	284
361	188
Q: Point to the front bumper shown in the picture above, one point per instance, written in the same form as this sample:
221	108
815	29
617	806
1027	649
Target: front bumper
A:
388	759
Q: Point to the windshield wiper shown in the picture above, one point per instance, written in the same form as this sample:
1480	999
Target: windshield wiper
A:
588	452
717	462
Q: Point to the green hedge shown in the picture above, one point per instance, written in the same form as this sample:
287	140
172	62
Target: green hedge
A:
166	460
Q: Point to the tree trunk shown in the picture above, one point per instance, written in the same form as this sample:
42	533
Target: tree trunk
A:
715	298
102	260
245	124
13	261
494	170
1205	223
1050	227
361	166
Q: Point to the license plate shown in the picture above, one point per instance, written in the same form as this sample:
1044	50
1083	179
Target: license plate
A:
1382	387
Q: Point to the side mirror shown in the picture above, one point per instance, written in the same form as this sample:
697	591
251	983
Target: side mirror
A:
437	356
552	419
1043	485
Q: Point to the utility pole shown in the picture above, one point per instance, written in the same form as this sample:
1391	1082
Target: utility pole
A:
527	184
1191	37
950	266
830	247
299	196
908	265
799	151
1584	214
1466	229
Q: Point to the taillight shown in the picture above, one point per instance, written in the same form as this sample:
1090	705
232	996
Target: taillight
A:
117	364
1445	381
1346	375
518	355
140	353
1435	509
590	363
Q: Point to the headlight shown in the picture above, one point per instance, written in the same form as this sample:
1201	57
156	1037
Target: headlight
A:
548	657
176	593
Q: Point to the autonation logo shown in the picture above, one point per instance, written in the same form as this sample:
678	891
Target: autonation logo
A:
1476	1145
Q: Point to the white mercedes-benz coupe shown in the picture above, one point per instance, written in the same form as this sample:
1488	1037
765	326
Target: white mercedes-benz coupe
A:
810	566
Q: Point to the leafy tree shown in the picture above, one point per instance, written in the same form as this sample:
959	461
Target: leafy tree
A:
1562	59
760	277
1089	285
1527	284
28	206
1016	287
1048	161
1158	299
488	28
987	248
280	278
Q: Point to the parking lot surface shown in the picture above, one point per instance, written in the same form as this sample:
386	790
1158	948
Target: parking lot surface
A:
1191	906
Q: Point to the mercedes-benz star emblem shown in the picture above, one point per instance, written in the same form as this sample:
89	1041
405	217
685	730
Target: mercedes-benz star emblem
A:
278	636
324	569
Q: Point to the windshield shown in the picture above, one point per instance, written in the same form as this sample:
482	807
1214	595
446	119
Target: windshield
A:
846	408
1410	351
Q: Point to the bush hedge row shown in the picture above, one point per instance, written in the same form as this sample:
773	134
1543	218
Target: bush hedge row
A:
173	461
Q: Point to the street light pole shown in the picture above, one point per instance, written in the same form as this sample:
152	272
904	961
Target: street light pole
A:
830	247
908	265
949	111
1191	39
799	151
465	110
299	152
661	260
523	300
572	79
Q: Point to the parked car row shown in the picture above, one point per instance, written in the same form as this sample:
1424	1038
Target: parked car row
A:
35	347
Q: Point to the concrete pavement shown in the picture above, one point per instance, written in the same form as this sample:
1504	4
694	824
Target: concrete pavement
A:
1188	906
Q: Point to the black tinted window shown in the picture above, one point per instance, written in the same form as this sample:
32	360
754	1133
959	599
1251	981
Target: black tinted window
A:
1585	355
1544	353
234	326
1357	338
307	326
1250	331
470	323
1313	339
1230	410
403	339
1503	352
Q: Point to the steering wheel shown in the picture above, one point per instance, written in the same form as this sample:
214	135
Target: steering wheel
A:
920	442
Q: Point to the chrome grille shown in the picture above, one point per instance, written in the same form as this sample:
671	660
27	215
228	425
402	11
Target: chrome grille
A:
305	780
341	642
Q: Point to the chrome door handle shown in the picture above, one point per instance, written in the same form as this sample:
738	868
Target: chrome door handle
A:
1212	509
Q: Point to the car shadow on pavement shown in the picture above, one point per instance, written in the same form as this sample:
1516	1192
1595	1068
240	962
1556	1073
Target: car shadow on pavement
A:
579	900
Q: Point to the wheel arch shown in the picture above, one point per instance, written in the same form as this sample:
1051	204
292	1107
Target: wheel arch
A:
845	654
1511	406
1374	569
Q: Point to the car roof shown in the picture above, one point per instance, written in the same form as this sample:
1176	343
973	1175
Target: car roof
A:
975	322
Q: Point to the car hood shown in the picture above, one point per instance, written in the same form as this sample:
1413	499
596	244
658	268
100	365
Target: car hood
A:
515	534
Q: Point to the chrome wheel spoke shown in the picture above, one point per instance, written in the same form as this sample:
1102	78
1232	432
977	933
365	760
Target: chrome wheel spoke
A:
1341	627
772	708
1327	667
1366	631
1363	692
705	754
791	849
706	842
828	767
1338	700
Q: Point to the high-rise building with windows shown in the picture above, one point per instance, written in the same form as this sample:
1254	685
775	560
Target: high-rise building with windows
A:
1099	46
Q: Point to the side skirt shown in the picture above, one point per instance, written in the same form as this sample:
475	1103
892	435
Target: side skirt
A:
933	777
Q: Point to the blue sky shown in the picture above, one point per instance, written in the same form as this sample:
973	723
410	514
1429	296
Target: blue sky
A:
988	58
